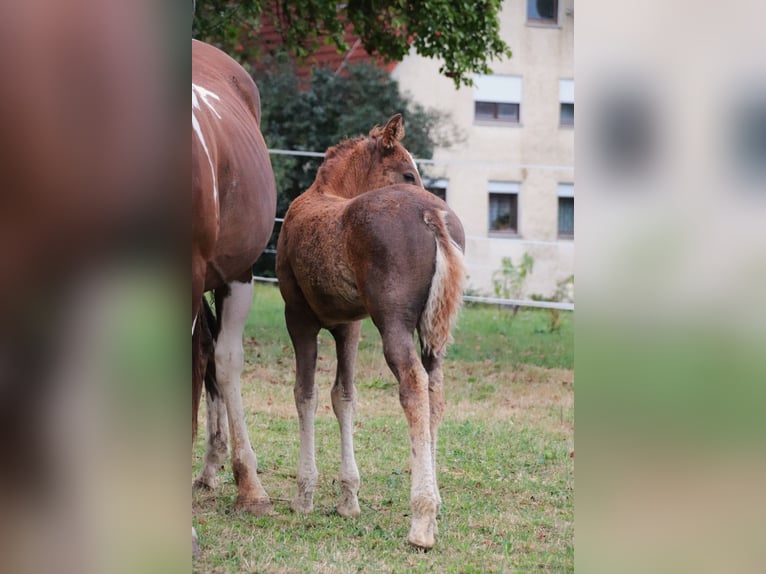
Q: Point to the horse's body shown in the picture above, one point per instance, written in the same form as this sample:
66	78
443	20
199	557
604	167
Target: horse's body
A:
367	240
233	209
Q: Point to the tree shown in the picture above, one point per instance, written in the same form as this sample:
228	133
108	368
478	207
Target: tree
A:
464	34
333	108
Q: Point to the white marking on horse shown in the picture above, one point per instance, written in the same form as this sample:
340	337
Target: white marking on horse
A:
205	96
198	130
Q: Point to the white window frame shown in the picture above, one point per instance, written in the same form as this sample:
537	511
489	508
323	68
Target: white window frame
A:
566	96
498	89
565	190
504	188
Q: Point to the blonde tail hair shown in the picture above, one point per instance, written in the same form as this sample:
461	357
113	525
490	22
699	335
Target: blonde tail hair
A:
445	296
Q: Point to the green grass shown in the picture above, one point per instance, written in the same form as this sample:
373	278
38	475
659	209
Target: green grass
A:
505	461
488	332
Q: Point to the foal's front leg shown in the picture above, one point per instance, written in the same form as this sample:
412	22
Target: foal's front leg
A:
303	333
344	405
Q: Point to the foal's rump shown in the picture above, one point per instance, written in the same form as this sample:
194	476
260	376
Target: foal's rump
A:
406	247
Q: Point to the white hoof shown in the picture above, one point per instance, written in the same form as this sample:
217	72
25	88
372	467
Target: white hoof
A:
422	533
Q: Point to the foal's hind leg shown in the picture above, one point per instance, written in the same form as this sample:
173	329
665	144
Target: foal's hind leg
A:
344	405
399	349
433	366
229	359
303	329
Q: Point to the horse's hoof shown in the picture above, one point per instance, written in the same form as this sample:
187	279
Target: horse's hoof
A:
258	507
195	544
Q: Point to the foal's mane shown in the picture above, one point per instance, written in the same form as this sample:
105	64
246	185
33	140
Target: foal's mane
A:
339	153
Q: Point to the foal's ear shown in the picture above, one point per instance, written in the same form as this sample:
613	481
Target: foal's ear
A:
393	132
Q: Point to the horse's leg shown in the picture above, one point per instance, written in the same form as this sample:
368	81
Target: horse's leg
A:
198	287
217	423
229	359
433	366
199	267
344	405
399	350
217	442
303	329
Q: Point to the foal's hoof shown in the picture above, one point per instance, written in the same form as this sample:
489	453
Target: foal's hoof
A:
258	507
422	534
349	508
204	484
300	505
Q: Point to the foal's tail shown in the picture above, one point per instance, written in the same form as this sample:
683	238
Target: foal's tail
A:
446	294
207	332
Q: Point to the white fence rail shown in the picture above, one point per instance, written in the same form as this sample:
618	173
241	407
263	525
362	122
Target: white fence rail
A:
489	300
452	161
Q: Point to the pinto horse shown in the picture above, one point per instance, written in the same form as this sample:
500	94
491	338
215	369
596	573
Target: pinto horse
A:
367	240
233	209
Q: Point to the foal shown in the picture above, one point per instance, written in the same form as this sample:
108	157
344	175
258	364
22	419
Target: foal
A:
367	240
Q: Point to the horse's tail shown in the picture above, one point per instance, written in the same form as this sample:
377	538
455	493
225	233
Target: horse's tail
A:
207	332
446	293
196	373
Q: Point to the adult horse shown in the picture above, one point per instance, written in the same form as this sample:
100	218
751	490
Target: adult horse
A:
233	209
367	240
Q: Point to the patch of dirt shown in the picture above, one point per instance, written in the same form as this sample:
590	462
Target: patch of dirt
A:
526	394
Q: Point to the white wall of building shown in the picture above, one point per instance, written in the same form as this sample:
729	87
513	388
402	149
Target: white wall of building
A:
542	57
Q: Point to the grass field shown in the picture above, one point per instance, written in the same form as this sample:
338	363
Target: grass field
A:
506	448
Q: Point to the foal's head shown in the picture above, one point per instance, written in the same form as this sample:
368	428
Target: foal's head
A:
361	164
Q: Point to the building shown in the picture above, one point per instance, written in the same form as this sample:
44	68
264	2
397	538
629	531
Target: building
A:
511	180
325	56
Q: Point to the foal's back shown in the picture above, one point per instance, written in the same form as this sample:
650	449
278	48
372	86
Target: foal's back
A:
350	256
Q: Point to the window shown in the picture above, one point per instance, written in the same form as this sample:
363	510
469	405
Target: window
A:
566	97
436	186
497	99
567	114
493	111
543	11
566	210
503	207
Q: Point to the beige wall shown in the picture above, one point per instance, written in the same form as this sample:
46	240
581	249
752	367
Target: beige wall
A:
541	56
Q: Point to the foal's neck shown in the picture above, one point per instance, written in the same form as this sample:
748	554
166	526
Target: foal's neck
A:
346	176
